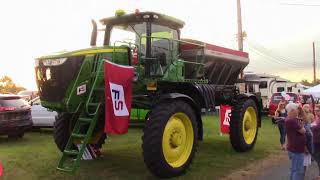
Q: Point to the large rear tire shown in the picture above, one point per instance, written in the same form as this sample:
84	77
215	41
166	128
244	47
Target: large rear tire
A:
170	139
62	129
244	125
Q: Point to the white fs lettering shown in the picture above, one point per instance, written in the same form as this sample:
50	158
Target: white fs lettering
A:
118	100
227	116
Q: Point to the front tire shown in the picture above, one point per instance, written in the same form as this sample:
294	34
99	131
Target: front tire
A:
170	139
244	125
62	129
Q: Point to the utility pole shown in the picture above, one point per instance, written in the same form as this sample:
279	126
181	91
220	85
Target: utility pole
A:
240	43
240	35
314	63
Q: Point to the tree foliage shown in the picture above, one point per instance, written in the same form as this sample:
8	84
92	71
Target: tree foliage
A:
7	86
307	83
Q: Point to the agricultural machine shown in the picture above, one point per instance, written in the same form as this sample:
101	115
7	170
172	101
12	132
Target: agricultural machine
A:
175	79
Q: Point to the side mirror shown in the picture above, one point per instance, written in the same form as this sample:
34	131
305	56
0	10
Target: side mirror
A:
94	33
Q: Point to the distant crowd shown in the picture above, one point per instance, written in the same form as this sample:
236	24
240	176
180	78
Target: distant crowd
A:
300	126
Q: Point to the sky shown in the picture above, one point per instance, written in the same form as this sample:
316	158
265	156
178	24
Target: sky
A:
279	33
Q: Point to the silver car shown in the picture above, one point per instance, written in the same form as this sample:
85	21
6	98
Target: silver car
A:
41	116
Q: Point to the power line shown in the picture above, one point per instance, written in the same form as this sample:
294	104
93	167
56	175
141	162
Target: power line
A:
278	58
296	4
272	59
269	53
266	51
263	55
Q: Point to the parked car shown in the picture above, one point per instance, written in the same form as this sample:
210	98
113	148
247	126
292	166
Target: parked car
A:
41	116
28	95
15	115
294	97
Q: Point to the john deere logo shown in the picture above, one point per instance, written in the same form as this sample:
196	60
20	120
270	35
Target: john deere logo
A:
81	89
118	101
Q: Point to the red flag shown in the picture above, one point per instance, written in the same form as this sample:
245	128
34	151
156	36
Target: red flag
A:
1	170
225	114
118	89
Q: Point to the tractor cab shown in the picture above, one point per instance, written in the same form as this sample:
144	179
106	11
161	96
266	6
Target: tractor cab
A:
152	39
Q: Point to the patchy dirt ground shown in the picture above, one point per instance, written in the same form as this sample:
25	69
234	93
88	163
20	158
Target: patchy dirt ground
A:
275	167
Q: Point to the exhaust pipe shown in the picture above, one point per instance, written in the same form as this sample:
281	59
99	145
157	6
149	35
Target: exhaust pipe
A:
93	33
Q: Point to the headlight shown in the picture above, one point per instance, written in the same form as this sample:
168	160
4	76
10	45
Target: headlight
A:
54	62
48	74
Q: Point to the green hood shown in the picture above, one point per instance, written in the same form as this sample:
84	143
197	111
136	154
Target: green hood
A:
87	51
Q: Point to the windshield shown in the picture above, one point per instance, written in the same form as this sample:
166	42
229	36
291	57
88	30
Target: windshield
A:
155	43
132	33
127	34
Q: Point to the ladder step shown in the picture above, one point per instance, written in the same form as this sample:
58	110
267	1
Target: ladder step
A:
65	169
71	152
93	104
80	136
99	89
87	120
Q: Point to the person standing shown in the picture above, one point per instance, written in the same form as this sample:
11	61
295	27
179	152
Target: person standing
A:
296	141
280	115
307	117
315	127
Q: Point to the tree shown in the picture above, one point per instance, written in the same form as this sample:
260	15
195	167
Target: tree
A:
7	86
307	83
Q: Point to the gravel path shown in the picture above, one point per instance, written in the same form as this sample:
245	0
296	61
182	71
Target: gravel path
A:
275	167
281	172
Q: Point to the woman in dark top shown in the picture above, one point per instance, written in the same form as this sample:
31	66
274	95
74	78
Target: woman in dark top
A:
280	115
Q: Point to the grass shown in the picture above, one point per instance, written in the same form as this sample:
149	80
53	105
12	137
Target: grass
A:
36	157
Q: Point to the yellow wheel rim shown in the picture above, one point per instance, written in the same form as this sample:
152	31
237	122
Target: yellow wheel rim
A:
177	140
249	125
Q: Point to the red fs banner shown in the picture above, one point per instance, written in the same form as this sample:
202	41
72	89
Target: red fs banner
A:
118	90
225	114
1	170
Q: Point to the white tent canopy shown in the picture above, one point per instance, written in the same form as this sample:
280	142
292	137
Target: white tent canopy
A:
315	91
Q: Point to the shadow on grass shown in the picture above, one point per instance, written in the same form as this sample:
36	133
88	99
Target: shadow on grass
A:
6	139
27	139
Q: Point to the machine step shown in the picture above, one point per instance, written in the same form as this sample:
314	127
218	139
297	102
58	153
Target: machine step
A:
93	104
65	169
79	136
87	120
99	89
71	152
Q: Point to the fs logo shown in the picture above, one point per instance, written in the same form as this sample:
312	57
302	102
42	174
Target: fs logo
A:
118	101
227	115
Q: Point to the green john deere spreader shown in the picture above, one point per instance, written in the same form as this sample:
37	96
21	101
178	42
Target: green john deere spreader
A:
175	80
